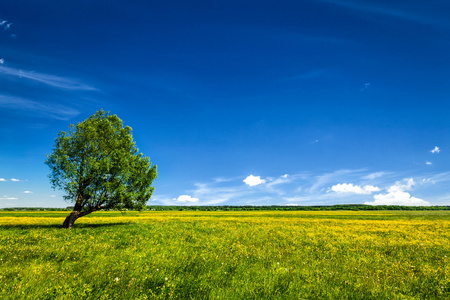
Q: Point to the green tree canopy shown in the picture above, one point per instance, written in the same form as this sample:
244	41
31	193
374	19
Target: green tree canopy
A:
98	166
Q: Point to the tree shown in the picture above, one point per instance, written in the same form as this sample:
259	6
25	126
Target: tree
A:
98	166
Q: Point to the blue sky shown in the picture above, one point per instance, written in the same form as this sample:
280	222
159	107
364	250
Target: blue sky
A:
237	102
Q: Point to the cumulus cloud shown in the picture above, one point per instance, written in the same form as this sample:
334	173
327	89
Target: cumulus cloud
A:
28	192
304	189
356	189
186	198
397	195
401	186
428	163
15	179
435	150
398	198
254	180
2	179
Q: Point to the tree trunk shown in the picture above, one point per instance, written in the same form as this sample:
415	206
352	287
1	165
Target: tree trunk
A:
71	218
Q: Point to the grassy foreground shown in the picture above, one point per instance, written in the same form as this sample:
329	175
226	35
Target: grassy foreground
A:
226	255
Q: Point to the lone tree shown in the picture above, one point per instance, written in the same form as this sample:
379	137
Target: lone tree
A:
99	167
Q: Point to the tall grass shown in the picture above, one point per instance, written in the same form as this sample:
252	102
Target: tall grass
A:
226	255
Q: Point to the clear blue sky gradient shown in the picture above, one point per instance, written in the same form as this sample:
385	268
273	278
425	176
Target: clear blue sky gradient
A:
322	102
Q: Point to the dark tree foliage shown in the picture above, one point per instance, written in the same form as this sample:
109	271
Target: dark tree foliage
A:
98	166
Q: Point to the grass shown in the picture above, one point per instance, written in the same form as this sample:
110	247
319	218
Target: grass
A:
226	255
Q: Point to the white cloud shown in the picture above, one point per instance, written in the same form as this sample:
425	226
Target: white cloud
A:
186	198
214	193
397	196
272	185
386	10
435	150
437	178
375	175
5	24
28	192
2	179
366	86
307	188
2	61
282	179
356	189
47	79
56	111
15	180
401	187
8	198
428	163
254	180
321	181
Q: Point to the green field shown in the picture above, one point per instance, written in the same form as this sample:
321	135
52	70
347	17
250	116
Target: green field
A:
226	255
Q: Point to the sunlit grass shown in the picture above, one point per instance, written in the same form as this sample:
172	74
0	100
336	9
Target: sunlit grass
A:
226	255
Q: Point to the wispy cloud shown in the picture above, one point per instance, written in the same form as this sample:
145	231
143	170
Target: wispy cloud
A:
28	192
6	25
313	189
311	74
322	181
437	178
283	179
55	111
384	10
375	175
8	198
15	179
212	193
60	82
366	86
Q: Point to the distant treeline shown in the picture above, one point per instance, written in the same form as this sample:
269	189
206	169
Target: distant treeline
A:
36	209
255	208
294	208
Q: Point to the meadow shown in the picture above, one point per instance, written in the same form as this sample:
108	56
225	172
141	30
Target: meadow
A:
226	255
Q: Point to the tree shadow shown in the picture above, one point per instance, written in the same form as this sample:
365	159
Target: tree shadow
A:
59	226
